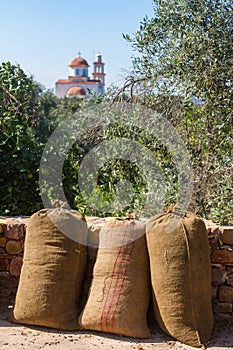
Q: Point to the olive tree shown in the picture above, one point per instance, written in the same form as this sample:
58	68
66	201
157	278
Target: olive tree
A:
183	67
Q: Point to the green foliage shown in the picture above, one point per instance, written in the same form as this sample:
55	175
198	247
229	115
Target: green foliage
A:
18	149
47	122
190	44
185	50
28	117
117	173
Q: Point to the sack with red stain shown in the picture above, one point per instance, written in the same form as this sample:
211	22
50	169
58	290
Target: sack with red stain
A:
120	291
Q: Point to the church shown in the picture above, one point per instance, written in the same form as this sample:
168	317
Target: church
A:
79	83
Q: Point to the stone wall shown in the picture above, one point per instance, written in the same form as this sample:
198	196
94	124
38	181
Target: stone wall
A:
221	249
12	235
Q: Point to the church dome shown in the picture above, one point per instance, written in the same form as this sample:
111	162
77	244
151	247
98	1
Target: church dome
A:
76	91
79	62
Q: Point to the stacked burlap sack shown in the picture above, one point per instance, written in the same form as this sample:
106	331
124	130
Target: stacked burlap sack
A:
167	255
53	269
120	291
181	276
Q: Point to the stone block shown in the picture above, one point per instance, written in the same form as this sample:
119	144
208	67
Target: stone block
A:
222	256
226	235
218	276
229	279
5	256
4	265
15	266
226	294
2	241
14	247
225	308
14	231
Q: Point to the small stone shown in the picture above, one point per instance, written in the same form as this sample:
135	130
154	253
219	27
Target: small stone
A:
5	256
222	256
218	276
226	294
2	241
14	231
223	308
4	265
14	247
15	266
227	235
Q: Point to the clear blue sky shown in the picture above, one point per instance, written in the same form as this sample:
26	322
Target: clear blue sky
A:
44	36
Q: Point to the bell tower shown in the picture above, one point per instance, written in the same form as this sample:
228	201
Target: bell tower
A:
99	69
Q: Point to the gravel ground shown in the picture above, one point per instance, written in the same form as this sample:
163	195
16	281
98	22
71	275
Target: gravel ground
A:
21	337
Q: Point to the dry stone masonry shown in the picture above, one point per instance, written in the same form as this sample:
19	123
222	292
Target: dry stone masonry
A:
221	248
12	235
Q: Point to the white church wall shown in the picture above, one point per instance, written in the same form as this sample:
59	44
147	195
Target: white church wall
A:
62	89
83	80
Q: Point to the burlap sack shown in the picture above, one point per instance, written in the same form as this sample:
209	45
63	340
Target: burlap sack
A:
181	276
53	270
120	290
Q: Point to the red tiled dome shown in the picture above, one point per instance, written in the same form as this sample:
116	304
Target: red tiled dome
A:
75	91
78	62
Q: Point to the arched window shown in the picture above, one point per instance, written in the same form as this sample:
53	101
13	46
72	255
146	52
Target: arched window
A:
77	71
